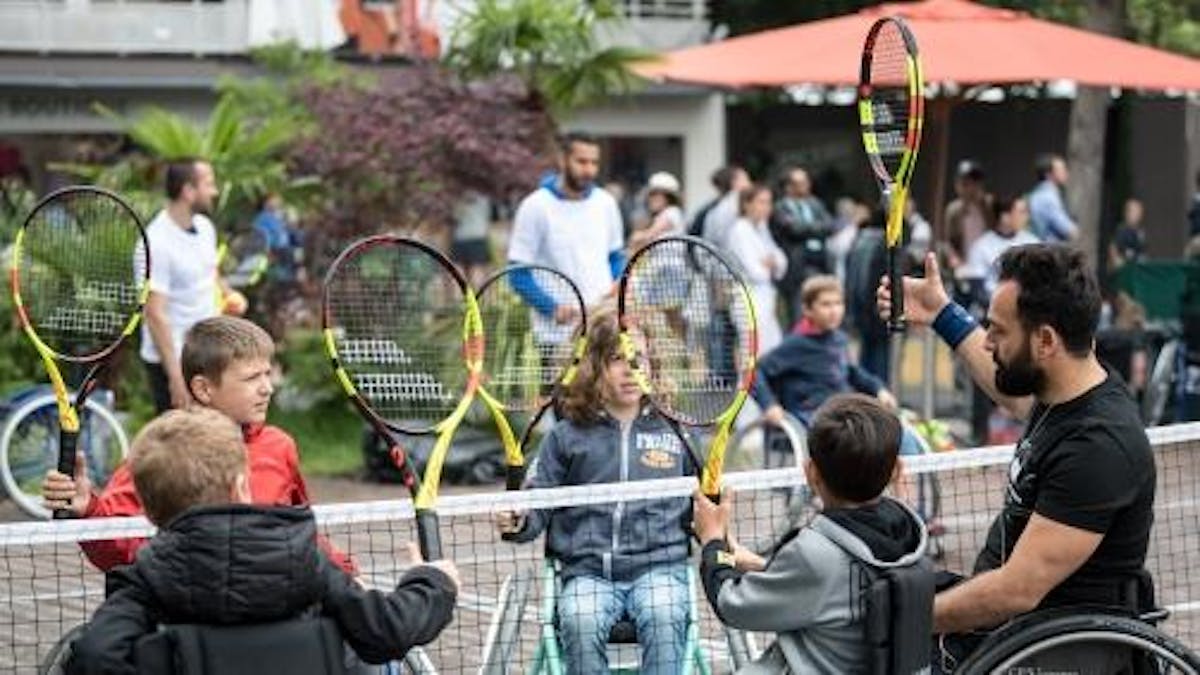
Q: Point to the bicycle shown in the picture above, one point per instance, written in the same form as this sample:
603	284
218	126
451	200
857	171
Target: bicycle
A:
29	444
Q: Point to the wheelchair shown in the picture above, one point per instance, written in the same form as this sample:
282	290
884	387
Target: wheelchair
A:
502	645
304	646
1043	641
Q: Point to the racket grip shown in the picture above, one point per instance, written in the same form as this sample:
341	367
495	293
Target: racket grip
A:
427	535
514	476
67	444
896	322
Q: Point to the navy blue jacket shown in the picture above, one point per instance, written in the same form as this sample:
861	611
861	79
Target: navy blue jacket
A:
806	369
621	540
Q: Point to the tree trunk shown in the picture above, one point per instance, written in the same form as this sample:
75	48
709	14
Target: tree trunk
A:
1085	146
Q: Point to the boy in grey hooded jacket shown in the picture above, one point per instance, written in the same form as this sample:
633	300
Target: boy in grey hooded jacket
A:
808	590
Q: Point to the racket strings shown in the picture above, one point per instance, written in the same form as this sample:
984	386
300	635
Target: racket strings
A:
531	318
81	271
689	308
890	96
396	318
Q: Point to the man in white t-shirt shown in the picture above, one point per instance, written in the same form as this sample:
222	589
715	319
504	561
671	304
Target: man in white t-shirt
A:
573	226
184	281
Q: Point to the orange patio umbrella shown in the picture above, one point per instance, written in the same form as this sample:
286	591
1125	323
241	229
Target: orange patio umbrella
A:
960	42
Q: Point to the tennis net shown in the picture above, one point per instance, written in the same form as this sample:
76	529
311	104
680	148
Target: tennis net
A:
47	586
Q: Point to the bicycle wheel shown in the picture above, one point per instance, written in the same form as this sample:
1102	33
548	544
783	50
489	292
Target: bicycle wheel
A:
1072	636
29	448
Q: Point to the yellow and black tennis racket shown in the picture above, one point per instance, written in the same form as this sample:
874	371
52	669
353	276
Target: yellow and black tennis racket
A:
402	330
80	278
891	110
536	326
686	303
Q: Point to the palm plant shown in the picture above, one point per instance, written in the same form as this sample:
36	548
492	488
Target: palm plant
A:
550	45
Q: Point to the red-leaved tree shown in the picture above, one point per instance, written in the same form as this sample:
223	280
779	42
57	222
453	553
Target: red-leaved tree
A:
399	154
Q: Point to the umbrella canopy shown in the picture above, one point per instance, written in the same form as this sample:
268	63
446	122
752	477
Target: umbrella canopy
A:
959	41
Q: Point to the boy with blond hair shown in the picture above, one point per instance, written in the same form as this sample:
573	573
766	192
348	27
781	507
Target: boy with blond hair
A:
226	362
219	560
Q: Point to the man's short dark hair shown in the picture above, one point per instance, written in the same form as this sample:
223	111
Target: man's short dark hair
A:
570	138
1058	289
180	172
722	178
1044	164
854	441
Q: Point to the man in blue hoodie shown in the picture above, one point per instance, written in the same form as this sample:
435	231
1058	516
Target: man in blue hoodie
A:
571	225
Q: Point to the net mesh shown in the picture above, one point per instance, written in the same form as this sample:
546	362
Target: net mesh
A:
697	322
80	271
395	313
531	317
890	97
47	586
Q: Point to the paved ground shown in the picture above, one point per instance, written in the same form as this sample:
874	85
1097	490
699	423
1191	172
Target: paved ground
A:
45	589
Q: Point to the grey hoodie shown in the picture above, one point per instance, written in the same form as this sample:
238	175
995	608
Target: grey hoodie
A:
808	593
617	541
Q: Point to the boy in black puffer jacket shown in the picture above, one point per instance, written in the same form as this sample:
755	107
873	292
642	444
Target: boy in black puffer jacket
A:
219	560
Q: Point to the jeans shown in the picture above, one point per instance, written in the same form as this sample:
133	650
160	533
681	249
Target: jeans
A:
657	602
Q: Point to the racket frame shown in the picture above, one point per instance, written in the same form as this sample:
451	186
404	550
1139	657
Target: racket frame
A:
68	407
893	188
514	449
712	468
424	489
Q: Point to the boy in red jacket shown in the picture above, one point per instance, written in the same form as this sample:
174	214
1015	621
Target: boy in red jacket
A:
226	363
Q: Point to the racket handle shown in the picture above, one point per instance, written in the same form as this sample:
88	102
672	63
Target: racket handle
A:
896	322
514	476
67	444
427	535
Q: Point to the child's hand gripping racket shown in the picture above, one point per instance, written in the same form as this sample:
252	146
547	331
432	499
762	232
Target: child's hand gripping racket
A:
403	332
80	278
683	300
891	110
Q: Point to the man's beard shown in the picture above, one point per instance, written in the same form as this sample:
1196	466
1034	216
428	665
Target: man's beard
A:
1021	377
199	209
575	184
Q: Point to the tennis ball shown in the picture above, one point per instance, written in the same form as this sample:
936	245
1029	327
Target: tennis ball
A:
235	304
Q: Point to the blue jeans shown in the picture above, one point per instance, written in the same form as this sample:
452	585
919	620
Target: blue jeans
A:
657	603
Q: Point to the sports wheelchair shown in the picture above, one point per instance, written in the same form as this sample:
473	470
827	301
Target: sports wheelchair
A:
303	646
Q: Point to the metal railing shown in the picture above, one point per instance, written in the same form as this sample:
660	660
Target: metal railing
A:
124	26
695	10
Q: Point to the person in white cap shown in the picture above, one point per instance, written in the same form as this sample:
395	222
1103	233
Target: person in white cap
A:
665	209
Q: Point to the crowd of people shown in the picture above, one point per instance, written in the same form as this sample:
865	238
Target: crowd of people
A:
225	489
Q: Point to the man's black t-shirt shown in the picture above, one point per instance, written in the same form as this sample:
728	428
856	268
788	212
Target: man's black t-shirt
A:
1085	463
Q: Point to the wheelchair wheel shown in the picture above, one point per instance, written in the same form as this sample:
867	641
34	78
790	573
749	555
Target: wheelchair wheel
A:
29	448
1160	386
1153	652
56	659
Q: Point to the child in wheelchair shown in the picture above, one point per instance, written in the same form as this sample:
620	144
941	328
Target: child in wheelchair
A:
810	591
218	560
618	561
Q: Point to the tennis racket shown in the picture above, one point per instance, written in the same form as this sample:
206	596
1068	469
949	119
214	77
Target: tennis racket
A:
80	278
686	302
891	110
536	324
402	331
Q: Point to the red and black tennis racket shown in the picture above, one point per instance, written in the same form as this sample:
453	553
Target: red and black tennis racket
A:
403	333
891	111
687	304
80	278
536	326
